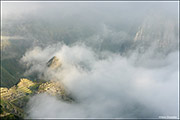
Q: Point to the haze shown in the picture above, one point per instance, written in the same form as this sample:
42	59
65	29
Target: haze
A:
120	59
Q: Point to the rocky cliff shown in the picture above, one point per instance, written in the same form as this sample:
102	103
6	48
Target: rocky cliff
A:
54	63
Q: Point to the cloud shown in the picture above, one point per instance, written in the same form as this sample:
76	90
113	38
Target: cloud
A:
112	87
109	74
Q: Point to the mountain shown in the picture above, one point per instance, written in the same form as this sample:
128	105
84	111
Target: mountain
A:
15	98
11	72
7	79
12	49
159	32
54	63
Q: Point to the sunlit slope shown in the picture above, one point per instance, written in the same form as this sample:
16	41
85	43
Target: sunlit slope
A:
14	100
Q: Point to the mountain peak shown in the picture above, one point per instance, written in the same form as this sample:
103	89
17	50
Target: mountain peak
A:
54	63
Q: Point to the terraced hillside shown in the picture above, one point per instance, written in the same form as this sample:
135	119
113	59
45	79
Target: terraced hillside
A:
14	99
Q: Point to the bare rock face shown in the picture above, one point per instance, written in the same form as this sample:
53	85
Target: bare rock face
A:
54	63
157	31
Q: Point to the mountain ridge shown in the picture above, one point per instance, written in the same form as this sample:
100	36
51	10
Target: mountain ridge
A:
15	98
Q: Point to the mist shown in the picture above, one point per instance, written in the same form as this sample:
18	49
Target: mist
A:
112	87
119	59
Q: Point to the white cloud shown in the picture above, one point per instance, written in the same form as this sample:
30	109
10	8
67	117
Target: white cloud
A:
112	87
138	83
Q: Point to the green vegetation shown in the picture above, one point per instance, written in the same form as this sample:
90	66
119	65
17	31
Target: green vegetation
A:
7	80
11	72
14	99
25	90
35	88
11	117
1	111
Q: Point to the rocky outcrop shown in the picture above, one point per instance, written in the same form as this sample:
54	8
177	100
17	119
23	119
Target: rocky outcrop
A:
54	63
158	32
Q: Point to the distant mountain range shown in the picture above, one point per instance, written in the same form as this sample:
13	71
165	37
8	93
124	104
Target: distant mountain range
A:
156	35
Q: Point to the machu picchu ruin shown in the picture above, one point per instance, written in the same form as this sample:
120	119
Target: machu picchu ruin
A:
14	99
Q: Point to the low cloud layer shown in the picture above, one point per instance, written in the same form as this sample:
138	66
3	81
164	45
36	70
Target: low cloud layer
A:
109	87
119	60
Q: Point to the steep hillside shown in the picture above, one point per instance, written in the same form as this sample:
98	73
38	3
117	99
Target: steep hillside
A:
14	99
12	49
7	79
11	71
157	31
